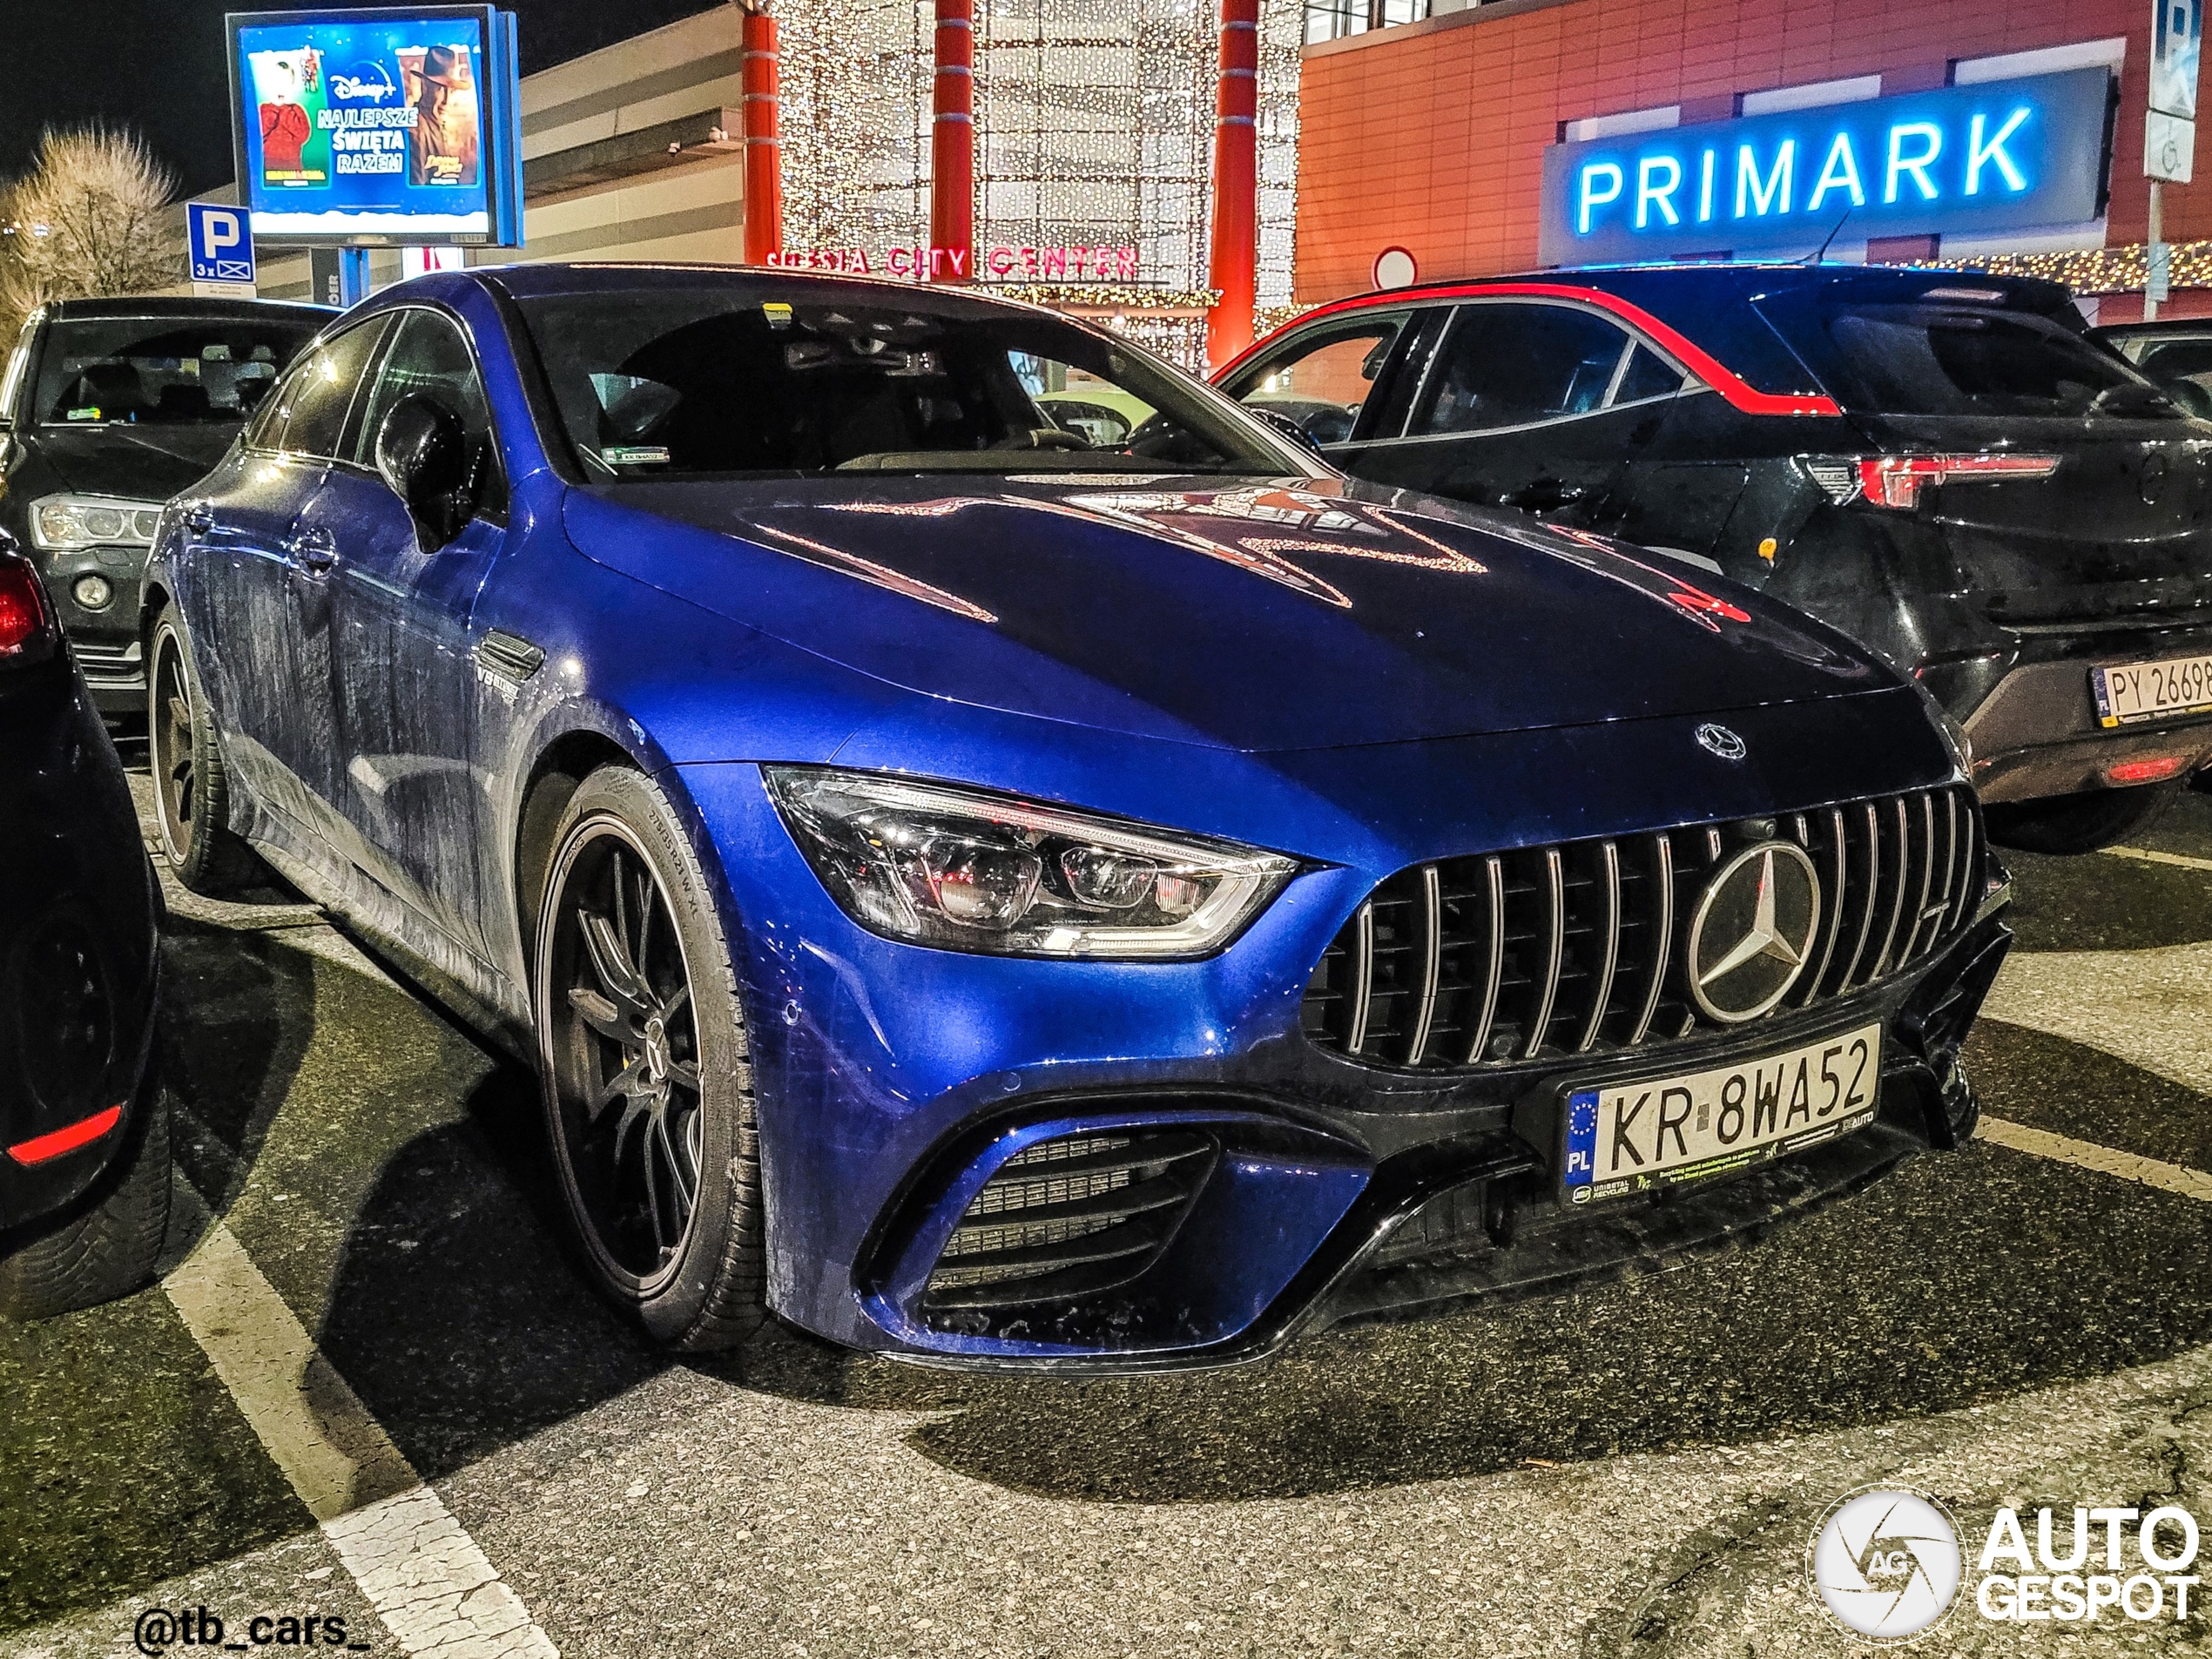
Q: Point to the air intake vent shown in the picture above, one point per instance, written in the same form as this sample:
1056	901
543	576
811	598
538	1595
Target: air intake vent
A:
1065	1219
1568	949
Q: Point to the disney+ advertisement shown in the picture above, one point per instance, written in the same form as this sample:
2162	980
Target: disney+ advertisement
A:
368	127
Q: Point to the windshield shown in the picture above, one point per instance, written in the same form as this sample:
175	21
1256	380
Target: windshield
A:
723	381
160	370
1923	359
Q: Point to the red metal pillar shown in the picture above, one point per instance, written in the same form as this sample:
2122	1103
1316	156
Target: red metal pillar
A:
951	147
1235	265
764	152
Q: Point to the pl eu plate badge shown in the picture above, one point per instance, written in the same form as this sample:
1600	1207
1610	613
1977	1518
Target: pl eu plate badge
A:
1580	1165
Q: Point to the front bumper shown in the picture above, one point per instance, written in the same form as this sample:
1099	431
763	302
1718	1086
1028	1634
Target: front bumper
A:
103	640
1385	1215
895	1083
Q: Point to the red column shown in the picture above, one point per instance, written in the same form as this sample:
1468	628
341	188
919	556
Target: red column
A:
764	152
952	145
1235	265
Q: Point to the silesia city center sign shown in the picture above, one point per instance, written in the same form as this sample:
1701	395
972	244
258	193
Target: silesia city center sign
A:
1995	155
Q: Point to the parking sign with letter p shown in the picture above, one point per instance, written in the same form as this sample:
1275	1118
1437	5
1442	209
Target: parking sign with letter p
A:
219	249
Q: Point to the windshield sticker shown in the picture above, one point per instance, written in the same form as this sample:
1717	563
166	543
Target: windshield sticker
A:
85	415
635	455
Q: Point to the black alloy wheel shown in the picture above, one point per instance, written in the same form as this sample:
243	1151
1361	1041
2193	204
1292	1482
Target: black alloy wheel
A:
630	1112
647	1092
190	790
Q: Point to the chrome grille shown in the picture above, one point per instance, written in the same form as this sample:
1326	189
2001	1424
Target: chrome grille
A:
1070	1217
1576	948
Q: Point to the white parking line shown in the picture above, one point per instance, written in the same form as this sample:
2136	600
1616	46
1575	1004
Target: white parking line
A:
425	1576
2064	1149
2147	856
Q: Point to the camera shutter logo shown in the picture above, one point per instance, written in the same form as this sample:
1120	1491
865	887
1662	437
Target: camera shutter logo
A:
1886	1563
1750	937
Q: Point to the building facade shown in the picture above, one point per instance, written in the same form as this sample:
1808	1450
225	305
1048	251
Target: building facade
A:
1433	136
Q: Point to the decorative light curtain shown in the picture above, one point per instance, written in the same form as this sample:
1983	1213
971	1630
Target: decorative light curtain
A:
1094	127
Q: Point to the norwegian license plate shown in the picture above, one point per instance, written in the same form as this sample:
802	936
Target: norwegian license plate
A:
1629	1137
2128	693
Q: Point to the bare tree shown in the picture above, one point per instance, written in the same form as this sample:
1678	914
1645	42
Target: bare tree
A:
87	219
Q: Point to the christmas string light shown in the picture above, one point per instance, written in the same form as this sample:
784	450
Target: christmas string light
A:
2125	269
1093	126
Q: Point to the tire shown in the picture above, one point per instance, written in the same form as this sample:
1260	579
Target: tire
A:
661	1055
109	1245
2065	825
190	790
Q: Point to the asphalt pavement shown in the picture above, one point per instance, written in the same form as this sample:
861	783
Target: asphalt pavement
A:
371	1332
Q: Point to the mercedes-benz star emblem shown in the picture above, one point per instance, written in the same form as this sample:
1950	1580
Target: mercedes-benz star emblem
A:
1752	931
1721	741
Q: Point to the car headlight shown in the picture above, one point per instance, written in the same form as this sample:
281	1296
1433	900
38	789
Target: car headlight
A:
64	523
966	870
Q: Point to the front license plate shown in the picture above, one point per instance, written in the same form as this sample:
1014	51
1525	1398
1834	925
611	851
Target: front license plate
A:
1630	1137
2131	692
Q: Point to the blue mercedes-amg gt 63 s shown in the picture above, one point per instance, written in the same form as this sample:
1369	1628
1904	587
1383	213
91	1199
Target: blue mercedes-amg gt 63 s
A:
1004	885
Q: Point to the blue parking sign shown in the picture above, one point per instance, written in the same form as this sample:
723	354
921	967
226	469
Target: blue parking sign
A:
221	244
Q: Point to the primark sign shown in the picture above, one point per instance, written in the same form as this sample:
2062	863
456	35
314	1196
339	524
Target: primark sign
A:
1995	155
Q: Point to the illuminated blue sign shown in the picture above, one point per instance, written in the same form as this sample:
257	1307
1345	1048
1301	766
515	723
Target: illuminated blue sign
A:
1992	157
390	125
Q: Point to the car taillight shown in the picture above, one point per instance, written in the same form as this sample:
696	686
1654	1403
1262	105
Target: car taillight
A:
1897	481
26	630
2155	770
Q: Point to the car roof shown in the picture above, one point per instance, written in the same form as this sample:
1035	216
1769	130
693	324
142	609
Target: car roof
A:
544	281
169	305
1741	280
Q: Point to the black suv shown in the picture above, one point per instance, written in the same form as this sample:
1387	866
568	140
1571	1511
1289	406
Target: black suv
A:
1940	463
107	408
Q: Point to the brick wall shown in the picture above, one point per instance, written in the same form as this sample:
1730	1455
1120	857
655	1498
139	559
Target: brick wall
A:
1431	136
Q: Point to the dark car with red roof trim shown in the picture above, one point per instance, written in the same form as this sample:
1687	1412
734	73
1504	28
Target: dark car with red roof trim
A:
1943	464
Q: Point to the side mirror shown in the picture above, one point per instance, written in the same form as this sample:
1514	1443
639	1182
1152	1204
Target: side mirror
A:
2132	400
422	453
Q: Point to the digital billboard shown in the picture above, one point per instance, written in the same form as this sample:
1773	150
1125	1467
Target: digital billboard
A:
1994	156
358	127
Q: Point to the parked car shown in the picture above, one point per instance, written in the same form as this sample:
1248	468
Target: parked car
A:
107	408
1938	462
84	1121
2177	357
996	900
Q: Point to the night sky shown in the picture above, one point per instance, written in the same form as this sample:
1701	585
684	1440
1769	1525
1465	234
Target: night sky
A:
157	65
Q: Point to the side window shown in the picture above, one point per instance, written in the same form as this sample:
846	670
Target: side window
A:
1648	376
310	404
1324	378
431	355
1517	364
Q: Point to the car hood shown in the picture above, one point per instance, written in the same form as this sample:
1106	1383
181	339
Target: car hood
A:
1247	615
142	462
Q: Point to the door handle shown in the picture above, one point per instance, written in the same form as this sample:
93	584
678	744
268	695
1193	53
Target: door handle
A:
315	550
1544	495
199	518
